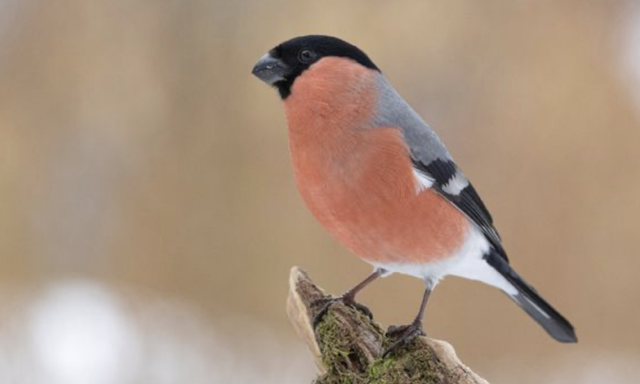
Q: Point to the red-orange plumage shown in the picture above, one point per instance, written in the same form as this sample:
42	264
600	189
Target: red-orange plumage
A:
358	180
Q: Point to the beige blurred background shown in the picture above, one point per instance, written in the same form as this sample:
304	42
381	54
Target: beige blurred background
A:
149	216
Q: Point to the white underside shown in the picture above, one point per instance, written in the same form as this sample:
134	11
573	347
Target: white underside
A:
466	262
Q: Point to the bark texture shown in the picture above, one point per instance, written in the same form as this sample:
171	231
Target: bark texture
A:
347	346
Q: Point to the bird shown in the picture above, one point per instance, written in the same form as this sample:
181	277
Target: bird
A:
382	182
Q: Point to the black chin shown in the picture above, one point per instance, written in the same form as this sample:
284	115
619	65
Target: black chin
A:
284	88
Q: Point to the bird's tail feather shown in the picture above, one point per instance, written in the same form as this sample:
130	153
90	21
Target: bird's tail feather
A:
535	306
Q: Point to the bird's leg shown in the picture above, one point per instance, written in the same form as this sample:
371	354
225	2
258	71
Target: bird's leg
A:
406	333
347	298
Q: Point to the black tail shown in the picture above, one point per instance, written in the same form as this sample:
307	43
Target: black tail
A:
529	300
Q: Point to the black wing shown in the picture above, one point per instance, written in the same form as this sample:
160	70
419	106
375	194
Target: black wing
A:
451	184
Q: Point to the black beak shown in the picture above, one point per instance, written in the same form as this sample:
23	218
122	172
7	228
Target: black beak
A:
270	70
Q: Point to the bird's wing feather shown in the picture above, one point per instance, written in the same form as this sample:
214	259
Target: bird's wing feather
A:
431	158
451	184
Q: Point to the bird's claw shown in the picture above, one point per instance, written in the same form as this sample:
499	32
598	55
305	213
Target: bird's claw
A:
326	302
403	335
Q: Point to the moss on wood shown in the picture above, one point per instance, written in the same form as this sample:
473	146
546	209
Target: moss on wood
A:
348	346
346	363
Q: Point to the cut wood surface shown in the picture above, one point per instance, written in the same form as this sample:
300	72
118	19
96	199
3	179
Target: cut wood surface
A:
348	346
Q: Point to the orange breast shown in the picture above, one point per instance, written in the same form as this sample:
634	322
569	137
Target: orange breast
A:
357	180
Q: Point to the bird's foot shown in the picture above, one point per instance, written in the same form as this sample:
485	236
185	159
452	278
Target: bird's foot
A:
403	335
326	302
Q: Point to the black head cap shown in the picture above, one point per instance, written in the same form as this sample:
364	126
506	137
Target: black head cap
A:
287	61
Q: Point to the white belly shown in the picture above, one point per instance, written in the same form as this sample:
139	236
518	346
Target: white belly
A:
467	262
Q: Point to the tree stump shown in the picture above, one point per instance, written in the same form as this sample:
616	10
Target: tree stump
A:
348	346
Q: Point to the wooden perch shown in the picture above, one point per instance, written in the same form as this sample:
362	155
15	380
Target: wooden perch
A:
348	346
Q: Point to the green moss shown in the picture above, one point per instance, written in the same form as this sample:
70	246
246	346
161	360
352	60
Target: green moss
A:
412	364
344	363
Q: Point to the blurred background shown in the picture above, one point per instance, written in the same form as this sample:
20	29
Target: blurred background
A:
149	217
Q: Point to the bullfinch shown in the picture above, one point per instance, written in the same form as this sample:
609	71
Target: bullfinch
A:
381	181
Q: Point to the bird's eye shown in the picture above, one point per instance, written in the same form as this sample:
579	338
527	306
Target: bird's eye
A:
306	56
